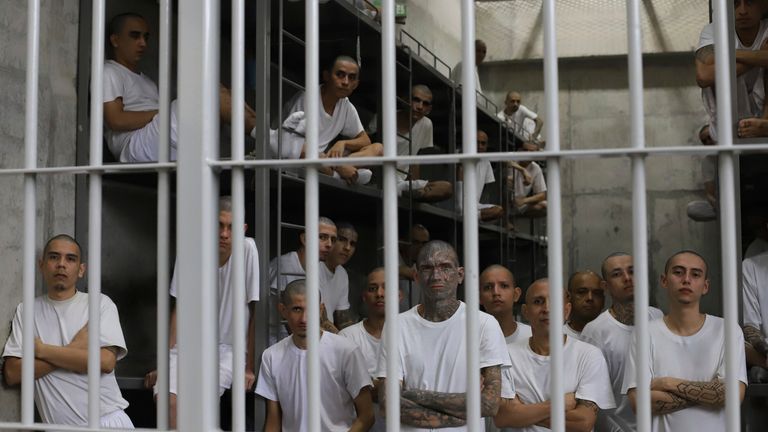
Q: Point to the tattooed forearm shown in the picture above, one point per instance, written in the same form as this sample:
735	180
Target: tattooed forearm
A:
624	313
706	54
710	394
414	414
343	318
665	402
755	338
452	404
489	396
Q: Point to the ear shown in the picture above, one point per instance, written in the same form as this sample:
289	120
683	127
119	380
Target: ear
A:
517	293
460	271
400	295
706	287
303	239
81	271
604	285
282	310
663	280
113	40
245	227
326	76
566	310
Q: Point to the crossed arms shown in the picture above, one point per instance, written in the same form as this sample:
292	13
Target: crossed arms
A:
745	60
580	414
431	409
670	394
72	357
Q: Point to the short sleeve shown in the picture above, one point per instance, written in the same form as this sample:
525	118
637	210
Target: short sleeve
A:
252	279
13	346
273	273
489	177
343	303
528	113
352	124
507	384
381	365
114	86
742	372
265	384
493	347
594	382
111	331
751	307
456	73
356	374
706	37
539	185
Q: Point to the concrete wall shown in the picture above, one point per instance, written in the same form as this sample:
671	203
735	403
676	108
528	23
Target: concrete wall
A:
56	144
436	24
594	113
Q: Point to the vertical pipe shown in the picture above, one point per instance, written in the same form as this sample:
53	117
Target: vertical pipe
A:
639	223
391	259
469	141
311	212
554	228
163	212
30	213
724	67
94	214
198	115
238	217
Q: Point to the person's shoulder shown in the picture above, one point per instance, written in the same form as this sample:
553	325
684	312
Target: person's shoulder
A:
338	343
586	349
708	30
352	331
597	325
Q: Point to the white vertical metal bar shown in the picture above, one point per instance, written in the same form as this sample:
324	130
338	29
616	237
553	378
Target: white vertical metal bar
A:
198	117
238	217
391	259
30	213
554	228
163	212
163	223
639	222
311	212
94	215
469	146
724	68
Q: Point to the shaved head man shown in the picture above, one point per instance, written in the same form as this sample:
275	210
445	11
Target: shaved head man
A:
498	294
587	297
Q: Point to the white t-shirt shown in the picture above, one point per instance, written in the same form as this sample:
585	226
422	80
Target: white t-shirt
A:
433	354
522	332
456	76
484	175
757	247
251	261
421	137
584	372
699	357
290	270
521	122
139	93
334	289
369	347
61	396
568	330
537	185
283	378
344	121
613	339
755	291
750	91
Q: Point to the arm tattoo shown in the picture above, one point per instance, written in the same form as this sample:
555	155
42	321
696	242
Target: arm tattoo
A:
755	338
711	394
414	414
343	318
452	404
675	403
587	403
491	393
706	54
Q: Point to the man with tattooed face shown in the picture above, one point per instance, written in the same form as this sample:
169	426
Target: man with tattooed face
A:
686	355
432	359
612	330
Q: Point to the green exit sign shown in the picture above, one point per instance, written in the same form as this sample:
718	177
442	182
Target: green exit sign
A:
400	7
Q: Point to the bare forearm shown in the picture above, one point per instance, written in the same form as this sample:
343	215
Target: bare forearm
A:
129	120
537	198
12	370
582	418
539	126
755	338
357	142
74	359
518	415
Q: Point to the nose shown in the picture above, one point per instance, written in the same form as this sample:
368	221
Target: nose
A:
381	292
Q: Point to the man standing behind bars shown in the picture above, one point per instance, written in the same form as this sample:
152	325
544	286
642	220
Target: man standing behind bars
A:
432	361
61	344
226	320
686	359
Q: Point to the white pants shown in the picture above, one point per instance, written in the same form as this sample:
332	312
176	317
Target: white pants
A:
144	143
116	420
